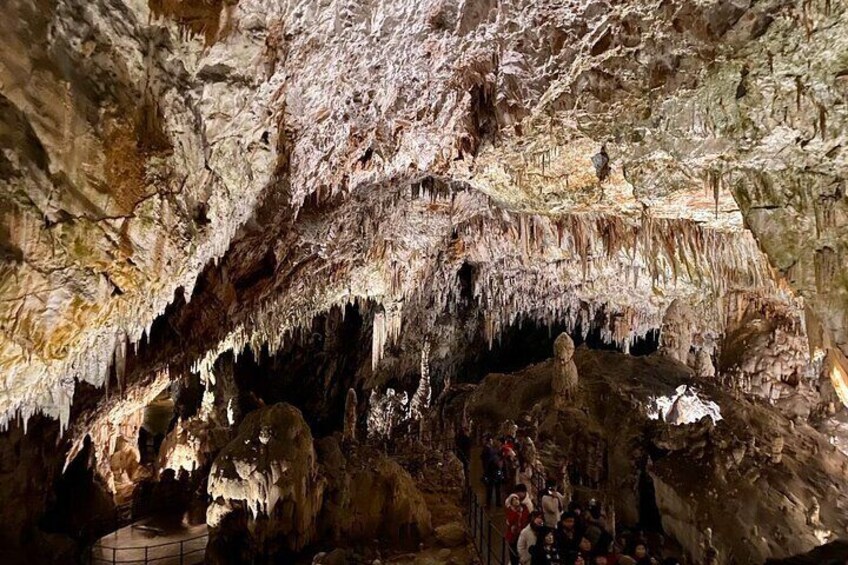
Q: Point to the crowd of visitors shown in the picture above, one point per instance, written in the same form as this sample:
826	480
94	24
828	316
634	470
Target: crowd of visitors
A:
543	527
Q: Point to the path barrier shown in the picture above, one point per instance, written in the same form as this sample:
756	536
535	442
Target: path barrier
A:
489	541
183	552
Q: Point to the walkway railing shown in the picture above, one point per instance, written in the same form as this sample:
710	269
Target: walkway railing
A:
183	552
489	541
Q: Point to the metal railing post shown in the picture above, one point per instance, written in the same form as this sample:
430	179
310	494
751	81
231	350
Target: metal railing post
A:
489	543
113	556
503	550
480	524
145	554
181	552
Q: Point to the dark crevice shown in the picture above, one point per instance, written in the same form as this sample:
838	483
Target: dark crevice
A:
312	371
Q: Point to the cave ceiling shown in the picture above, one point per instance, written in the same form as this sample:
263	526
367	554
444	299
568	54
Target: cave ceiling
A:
268	160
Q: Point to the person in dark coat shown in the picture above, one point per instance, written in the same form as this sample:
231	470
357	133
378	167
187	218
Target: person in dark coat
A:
493	475
546	552
568	536
463	449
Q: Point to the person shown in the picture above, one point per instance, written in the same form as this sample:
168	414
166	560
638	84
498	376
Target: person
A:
584	549
552	505
510	460
595	521
605	547
529	536
492	470
641	556
600	559
568	537
519	507
524	476
463	449
580	515
545	552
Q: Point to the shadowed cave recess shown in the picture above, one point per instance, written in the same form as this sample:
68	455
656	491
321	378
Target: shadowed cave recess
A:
327	282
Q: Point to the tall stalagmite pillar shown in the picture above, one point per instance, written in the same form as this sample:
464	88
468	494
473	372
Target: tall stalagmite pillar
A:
349	431
676	336
564	383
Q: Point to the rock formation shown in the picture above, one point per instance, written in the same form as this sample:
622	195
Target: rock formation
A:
349	430
369	495
468	139
676	332
190	191
564	383
753	473
269	473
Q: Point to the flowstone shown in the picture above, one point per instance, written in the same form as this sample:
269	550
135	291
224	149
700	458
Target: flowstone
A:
269	472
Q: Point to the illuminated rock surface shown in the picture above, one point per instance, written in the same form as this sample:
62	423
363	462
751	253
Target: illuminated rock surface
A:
237	203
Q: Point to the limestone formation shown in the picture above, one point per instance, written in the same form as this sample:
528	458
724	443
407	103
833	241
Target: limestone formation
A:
269	473
777	449
703	364
468	138
190	190
564	383
349	429
420	401
692	477
368	496
676	332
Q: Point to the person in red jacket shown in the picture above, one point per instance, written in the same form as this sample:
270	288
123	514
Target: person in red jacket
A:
518	509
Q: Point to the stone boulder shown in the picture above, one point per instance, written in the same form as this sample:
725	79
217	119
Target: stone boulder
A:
452	534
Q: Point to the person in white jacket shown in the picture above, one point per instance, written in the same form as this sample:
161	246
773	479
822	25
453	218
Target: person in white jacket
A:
529	535
553	504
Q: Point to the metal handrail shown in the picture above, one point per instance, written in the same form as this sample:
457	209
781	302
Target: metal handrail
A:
478	519
204	535
147	558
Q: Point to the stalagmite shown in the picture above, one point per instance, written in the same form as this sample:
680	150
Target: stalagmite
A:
349	430
703	365
269	466
421	399
777	449
676	333
564	382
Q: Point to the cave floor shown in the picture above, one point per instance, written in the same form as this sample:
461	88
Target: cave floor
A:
152	539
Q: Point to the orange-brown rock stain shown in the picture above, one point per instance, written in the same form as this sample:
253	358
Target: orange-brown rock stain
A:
195	17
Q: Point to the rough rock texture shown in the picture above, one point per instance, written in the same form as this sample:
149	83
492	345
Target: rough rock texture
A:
765	353
191	445
676	332
369	496
269	472
564	384
556	147
758	493
230	170
349	429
